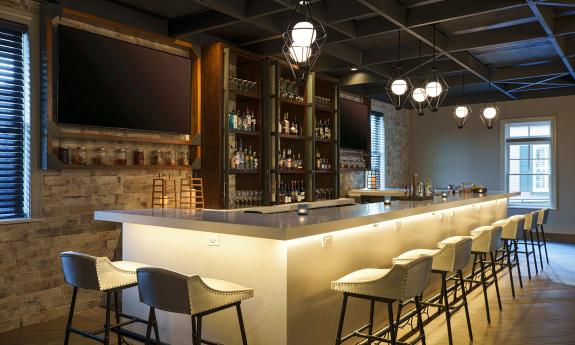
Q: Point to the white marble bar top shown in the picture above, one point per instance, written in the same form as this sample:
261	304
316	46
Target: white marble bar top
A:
289	225
376	192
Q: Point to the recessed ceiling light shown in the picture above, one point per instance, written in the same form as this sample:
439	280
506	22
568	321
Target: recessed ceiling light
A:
353	69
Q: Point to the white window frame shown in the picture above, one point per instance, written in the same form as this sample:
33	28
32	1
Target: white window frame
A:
553	164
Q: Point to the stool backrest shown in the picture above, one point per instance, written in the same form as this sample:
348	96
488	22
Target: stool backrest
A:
542	216
511	227
80	270
487	239
164	289
530	221
455	253
414	276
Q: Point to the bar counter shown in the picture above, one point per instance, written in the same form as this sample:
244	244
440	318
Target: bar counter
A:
289	260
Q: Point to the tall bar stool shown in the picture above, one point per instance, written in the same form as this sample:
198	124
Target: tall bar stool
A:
403	282
486	242
530	222
511	230
453	255
192	295
542	218
84	271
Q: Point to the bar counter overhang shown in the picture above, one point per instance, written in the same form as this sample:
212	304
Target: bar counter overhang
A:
284	258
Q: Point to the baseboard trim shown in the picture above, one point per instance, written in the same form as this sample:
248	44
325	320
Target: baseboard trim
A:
564	238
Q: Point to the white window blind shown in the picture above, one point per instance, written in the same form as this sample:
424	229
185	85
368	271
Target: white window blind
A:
14	120
377	126
529	163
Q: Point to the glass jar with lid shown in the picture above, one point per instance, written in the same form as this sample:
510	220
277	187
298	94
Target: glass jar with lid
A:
64	154
185	157
80	156
157	158
171	158
122	157
139	157
101	157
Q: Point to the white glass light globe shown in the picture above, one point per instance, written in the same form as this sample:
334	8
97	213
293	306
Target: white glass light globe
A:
461	111
303	34
300	54
489	112
418	94
433	89
399	86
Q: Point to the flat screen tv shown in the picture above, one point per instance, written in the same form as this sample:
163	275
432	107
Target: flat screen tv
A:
354	124
106	82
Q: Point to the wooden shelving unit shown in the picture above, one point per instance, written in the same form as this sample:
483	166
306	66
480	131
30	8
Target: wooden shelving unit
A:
122	167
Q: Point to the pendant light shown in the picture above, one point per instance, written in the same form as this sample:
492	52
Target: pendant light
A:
418	97
490	110
303	39
435	86
461	111
399	87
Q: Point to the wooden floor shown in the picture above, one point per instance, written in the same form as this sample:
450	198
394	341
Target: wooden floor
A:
542	313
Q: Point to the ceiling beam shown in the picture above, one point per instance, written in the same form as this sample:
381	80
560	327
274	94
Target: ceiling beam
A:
540	82
396	14
546	19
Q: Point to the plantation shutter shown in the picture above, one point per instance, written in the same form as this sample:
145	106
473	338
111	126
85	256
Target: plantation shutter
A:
378	145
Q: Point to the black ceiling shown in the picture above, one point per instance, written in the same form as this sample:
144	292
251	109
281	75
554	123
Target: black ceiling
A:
529	44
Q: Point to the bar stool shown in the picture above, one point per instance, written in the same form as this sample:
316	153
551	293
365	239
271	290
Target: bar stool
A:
529	224
192	295
511	230
453	255
542	217
99	273
404	281
486	241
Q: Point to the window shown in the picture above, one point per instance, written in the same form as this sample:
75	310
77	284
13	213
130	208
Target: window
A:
378	145
529	163
14	122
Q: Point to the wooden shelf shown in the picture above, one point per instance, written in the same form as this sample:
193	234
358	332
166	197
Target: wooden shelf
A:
353	169
105	137
238	172
123	167
325	141
244	95
292	137
329	110
291	101
240	132
292	171
323	171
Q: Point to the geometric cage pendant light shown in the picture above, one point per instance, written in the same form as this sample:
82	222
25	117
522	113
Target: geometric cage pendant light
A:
303	39
490	110
435	87
418	97
461	111
399	86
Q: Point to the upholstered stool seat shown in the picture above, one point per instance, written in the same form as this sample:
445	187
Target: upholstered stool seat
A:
452	255
99	273
188	294
486	241
403	281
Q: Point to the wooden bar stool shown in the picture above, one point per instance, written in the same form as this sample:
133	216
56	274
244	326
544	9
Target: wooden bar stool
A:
84	271
486	241
452	255
192	295
530	222
403	282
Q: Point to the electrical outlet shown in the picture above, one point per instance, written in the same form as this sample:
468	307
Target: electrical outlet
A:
375	226
213	241
326	241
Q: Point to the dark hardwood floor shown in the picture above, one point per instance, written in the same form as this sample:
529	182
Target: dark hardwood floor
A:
542	313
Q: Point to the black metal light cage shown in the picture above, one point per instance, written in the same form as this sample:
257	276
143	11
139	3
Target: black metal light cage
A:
302	56
398	100
435	76
418	83
488	122
460	121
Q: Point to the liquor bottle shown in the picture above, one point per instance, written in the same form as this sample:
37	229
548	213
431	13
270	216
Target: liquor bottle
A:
233	153
242	157
289	160
237	157
249	159
253	121
293	127
302	191
299	165
320	133
286	124
256	163
318	161
281	193
231	119
287	197
282	162
327	131
294	191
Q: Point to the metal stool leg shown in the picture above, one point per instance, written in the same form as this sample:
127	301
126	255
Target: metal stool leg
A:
107	325
370	327
241	321
517	264
199	330
539	247
117	316
464	294
156	330
149	326
391	324
341	319
509	266
492	259
419	320
484	284
544	244
446	306
533	249
70	315
527	256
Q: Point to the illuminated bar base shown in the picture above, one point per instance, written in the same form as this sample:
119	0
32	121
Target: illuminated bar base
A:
290	266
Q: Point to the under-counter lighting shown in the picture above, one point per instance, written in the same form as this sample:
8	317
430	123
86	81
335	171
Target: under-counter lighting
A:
353	69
